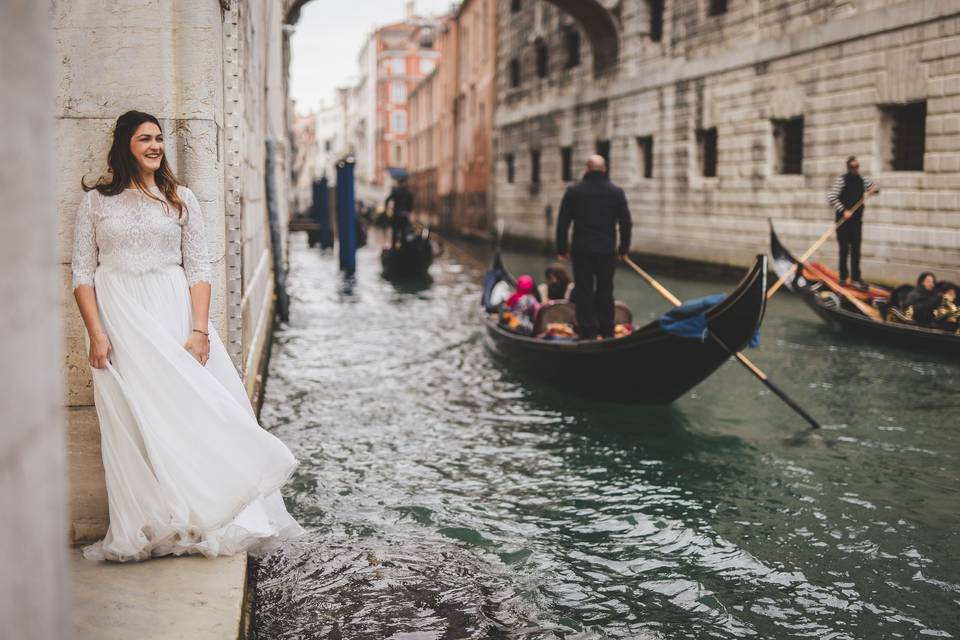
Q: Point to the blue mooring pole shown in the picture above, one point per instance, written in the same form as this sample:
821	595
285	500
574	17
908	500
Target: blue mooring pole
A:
346	216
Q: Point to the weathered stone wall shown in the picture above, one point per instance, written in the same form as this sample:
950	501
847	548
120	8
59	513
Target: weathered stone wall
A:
831	62
33	594
212	72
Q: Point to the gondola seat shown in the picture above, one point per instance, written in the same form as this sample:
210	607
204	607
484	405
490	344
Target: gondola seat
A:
565	312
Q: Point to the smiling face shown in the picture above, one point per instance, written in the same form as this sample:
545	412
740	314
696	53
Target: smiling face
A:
146	146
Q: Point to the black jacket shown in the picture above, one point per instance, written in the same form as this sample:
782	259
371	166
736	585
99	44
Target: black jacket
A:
402	199
595	206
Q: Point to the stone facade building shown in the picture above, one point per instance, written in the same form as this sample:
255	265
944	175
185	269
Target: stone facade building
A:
718	114
452	113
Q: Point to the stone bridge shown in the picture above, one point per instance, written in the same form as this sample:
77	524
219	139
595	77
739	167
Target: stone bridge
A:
599	25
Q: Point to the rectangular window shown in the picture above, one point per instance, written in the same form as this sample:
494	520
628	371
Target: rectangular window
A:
655	8
707	152
645	155
603	149
716	7
398	153
514	73
788	146
543	58
398	92
571	40
328	146
398	66
511	168
398	121
903	136
514	6
535	167
427	65
566	162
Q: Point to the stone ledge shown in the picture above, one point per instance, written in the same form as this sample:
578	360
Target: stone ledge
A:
189	598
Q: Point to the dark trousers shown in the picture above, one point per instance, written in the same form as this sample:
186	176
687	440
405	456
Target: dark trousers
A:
848	237
593	293
399	223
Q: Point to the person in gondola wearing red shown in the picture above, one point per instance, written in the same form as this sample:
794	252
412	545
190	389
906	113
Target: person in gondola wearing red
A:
847	198
596	208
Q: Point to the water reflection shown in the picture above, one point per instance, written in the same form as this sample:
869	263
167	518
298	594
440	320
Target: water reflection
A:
449	498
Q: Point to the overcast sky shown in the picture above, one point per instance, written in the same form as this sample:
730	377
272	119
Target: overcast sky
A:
327	41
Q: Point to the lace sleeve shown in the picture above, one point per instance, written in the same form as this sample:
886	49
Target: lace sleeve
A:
196	259
85	251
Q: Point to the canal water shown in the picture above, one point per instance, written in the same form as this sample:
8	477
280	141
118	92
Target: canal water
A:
445	497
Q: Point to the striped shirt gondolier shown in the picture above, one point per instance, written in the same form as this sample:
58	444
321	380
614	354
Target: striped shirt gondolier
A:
848	190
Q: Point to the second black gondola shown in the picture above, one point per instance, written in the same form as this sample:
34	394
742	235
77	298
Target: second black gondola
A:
840	314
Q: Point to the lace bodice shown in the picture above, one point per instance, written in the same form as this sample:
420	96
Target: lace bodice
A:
134	233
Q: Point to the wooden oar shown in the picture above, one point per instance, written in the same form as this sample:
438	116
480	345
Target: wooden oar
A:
864	308
742	359
813	249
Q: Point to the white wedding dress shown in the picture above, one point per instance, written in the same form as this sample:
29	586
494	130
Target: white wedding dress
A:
188	469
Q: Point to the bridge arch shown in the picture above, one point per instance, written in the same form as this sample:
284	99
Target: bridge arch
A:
597	22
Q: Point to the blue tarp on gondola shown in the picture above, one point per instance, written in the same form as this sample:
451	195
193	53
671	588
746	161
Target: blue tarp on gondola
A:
689	320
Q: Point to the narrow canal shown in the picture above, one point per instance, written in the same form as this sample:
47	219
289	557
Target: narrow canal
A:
447	498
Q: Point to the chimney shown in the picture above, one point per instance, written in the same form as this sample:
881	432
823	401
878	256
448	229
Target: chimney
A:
411	10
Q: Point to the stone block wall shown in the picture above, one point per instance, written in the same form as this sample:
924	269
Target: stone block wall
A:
833	63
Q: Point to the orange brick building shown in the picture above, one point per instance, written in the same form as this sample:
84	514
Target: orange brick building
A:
452	116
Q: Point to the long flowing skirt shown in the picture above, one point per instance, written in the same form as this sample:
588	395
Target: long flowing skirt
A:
188	468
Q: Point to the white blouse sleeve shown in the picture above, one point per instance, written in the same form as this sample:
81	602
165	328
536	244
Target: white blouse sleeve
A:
85	252
196	259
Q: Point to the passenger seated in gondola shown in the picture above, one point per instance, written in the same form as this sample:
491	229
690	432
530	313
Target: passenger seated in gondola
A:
521	307
558	286
919	304
946	315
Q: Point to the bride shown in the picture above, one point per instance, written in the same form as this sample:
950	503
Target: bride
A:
188	469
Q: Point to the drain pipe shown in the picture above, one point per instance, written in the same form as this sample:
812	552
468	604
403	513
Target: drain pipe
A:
276	239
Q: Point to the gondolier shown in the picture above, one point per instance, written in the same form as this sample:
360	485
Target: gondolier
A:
402	199
846	197
596	207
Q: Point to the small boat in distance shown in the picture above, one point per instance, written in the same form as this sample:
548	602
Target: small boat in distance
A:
839	313
648	366
412	259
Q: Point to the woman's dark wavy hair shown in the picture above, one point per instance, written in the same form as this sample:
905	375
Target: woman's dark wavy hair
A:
923	276
124	172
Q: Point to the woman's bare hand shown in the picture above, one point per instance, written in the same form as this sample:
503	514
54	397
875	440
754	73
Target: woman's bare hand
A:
199	347
100	351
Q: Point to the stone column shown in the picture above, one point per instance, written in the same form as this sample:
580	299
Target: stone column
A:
33	595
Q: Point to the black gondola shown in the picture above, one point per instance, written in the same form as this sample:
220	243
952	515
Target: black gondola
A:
412	259
648	366
840	314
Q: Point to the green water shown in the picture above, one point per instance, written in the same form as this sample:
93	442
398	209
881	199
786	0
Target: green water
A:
447	498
